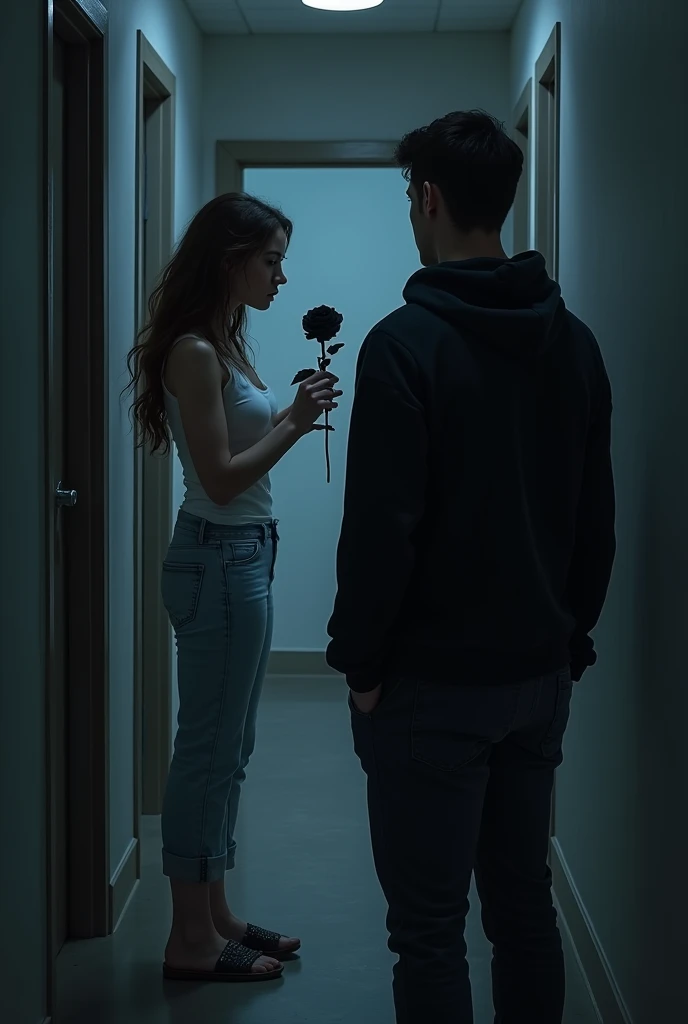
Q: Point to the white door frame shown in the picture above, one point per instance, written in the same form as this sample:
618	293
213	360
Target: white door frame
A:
155	92
547	134
521	121
233	157
547	85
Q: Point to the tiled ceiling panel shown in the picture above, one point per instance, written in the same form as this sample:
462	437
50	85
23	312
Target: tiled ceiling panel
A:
244	17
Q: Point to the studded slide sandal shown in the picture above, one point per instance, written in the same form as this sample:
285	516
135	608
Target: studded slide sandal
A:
234	964
268	942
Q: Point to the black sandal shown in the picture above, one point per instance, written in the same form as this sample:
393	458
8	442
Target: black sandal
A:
234	964
267	942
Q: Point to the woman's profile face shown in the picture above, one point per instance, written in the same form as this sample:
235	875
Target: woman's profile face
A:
256	284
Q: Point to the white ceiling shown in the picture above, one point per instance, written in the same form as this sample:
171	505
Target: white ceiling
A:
246	17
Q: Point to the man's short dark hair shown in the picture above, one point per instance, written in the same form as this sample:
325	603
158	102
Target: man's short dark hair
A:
472	161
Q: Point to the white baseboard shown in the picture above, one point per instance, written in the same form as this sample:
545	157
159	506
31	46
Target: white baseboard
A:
604	991
123	883
299	663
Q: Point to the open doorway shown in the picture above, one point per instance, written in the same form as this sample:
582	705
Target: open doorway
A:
547	100
358	187
153	474
521	135
76	419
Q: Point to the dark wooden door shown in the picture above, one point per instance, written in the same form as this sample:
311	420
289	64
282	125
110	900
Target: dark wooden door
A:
61	507
76	416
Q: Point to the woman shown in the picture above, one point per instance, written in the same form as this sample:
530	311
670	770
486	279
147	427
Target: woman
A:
195	381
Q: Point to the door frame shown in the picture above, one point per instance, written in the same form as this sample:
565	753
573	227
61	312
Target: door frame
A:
233	157
547	103
153	673
546	161
81	25
522	135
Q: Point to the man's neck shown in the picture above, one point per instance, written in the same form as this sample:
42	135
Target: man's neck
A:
477	245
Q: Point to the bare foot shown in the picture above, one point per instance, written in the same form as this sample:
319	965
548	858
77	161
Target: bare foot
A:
202	955
231	927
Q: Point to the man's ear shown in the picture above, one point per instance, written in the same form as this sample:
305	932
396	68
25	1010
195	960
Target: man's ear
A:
430	199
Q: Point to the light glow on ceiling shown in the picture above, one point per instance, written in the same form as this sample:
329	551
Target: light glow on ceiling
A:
342	5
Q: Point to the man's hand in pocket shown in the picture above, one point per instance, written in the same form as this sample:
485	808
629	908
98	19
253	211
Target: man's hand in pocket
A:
367	702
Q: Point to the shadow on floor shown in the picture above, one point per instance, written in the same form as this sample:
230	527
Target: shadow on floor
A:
304	868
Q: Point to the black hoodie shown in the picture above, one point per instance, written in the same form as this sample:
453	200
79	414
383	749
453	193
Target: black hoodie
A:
478	534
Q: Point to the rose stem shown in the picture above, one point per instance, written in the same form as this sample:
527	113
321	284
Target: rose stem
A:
327	417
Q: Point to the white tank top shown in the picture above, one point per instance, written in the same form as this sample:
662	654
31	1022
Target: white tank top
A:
250	411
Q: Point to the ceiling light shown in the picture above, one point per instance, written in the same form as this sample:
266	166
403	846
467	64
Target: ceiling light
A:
342	5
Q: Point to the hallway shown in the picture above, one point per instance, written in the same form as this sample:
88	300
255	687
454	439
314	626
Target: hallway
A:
304	866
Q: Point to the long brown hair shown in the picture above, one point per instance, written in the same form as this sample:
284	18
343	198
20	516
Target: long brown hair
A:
192	297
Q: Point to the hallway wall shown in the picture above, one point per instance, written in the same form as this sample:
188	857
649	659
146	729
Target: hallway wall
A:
621	798
341	87
22	468
169	28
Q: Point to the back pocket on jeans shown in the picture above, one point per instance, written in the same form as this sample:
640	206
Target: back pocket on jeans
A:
181	587
451	725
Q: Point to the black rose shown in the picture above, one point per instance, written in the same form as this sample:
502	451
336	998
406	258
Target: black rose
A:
322	323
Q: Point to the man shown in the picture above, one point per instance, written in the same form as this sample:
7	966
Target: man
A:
475	555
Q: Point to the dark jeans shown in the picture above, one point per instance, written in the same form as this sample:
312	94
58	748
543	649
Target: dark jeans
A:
460	780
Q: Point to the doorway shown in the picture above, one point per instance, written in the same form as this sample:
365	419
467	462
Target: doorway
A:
521	136
76	486
547	100
358	186
153	473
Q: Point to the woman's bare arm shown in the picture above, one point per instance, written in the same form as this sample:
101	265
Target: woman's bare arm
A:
281	416
194	376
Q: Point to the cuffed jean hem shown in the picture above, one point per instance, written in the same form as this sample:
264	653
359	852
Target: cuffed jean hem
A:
194	869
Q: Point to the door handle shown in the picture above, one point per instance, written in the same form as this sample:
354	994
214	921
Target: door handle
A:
65	499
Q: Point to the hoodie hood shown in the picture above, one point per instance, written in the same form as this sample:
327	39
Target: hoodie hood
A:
511	305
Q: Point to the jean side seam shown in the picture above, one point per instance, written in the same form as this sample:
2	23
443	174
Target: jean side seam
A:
228	627
383	829
258	680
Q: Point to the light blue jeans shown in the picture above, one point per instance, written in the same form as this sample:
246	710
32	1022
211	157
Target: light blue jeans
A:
217	589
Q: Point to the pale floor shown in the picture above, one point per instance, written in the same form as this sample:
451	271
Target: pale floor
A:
304	867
